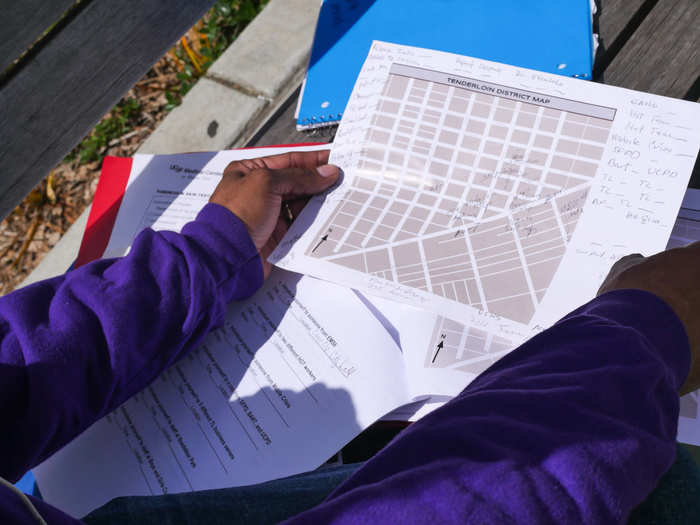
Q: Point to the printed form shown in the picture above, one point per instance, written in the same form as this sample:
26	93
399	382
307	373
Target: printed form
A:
295	373
489	193
164	192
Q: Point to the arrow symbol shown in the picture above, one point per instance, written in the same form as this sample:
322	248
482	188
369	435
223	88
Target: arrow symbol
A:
440	345
323	239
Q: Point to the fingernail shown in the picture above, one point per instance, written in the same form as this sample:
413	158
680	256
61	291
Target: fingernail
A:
328	170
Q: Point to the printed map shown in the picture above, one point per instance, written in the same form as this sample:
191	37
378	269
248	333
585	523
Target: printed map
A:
466	349
466	194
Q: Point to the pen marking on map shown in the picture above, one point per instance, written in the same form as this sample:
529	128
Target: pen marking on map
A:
323	239
440	346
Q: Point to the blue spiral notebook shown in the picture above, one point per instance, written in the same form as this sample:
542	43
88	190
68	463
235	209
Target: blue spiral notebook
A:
555	37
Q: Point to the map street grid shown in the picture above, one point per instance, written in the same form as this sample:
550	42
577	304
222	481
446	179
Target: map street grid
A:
493	196
465	194
463	348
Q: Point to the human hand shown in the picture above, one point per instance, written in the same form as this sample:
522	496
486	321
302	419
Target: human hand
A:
674	276
256	189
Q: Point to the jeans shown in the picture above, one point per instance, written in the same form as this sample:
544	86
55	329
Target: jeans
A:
676	500
265	503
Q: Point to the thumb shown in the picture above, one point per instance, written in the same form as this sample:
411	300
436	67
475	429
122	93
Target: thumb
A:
292	183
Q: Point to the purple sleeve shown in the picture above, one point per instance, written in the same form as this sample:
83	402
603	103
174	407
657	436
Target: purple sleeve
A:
75	347
575	426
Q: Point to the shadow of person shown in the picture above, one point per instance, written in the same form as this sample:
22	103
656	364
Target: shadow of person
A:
269	501
238	410
250	324
279	433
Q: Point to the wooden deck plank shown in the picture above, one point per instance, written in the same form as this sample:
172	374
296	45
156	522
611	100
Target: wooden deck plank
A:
614	16
72	81
281	128
663	55
24	21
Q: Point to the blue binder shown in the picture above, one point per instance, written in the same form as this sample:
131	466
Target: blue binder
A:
546	35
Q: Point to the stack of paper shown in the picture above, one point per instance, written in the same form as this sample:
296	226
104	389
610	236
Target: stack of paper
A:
480	203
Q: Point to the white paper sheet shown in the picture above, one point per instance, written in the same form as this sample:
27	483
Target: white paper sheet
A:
463	358
164	192
542	181
296	372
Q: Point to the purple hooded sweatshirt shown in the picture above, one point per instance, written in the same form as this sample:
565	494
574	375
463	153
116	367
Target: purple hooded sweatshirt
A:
575	426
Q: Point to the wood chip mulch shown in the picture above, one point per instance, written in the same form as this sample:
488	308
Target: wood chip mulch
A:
38	223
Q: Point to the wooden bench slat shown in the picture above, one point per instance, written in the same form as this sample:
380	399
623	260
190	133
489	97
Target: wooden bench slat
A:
663	55
281	128
613	18
23	21
72	81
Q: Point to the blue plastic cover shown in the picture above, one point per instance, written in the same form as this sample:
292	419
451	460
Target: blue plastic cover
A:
545	35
